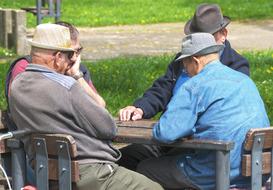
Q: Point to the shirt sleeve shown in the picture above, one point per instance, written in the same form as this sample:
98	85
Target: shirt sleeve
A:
180	117
234	60
18	68
156	98
94	119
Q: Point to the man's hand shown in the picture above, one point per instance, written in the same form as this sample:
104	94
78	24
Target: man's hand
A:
130	112
75	67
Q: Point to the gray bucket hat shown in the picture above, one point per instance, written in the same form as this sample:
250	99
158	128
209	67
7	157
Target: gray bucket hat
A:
207	18
199	44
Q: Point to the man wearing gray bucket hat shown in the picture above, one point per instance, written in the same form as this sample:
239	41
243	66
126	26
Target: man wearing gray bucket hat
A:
45	100
215	103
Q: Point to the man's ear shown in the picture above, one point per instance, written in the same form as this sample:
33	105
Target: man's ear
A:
57	61
198	64
196	60
224	33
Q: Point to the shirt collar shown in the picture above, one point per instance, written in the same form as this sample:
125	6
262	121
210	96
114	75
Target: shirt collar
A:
39	68
211	65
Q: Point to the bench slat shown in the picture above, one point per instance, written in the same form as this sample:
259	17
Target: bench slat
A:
53	170
144	123
134	132
3	122
268	140
51	143
3	129
246	164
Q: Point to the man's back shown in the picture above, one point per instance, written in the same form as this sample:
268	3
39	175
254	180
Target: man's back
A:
225	105
42	100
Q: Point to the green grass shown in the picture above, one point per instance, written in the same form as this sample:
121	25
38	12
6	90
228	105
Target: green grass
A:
120	81
120	12
5	53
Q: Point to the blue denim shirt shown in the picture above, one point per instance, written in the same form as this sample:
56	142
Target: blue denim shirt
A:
218	103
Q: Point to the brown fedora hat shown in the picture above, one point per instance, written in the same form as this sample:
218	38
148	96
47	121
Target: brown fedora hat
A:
207	18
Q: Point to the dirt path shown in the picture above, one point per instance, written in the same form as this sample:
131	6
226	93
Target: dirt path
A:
114	41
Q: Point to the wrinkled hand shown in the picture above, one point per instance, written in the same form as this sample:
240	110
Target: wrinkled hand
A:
130	112
75	67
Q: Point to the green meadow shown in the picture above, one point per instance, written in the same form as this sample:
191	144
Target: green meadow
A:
121	12
120	81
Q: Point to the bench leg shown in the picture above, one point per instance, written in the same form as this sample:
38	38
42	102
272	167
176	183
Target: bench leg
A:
256	160
39	11
58	10
222	170
41	169
18	163
64	163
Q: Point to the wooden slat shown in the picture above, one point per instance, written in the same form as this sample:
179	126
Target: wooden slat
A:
33	10
141	132
3	122
3	129
246	163
145	123
3	147
268	140
51	143
53	170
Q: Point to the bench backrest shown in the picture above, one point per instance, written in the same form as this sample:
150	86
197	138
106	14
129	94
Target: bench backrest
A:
57	146
3	129
257	157
55	157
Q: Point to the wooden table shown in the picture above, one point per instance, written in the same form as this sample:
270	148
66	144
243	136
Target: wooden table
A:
140	132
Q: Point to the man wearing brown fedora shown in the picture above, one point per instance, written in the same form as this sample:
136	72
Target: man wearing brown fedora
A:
207	18
48	98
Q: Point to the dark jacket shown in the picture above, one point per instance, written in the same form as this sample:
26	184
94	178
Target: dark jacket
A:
156	98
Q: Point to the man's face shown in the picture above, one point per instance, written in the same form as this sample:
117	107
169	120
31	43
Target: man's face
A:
65	61
77	47
220	36
190	66
71	57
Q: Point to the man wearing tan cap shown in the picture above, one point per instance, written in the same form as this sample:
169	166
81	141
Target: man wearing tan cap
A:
216	103
19	65
45	100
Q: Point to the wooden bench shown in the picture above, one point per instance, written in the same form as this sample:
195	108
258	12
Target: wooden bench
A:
59	151
55	159
258	150
45	8
257	159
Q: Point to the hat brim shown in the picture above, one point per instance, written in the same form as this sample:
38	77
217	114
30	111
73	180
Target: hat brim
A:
189	30
44	46
205	51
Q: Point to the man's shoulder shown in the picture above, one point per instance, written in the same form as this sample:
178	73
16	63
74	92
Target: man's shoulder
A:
52	76
63	80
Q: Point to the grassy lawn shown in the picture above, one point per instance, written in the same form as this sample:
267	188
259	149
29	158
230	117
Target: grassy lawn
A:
120	81
120	12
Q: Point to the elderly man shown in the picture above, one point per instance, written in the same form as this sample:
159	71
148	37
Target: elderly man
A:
215	103
19	66
207	18
45	100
